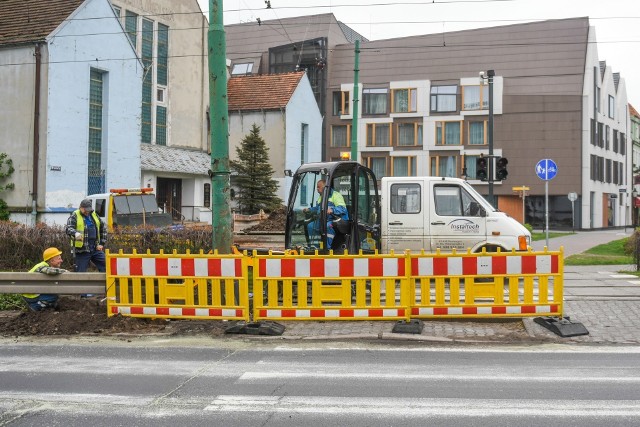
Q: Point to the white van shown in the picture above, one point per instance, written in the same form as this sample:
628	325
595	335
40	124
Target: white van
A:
446	213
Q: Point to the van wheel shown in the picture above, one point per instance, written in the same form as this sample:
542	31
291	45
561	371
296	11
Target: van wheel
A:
491	248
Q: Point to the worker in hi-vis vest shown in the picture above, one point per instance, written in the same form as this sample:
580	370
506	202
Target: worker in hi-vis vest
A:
51	262
336	209
88	236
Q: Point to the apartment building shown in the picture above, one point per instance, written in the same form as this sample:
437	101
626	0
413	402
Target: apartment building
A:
424	110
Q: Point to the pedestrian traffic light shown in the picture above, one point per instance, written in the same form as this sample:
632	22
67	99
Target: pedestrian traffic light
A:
481	168
501	169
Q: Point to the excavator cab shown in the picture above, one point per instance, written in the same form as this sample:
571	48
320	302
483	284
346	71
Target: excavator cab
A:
307	219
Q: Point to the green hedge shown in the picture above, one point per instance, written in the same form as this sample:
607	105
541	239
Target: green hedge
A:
22	246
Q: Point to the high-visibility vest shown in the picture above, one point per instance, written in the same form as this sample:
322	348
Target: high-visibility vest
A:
37	266
80	226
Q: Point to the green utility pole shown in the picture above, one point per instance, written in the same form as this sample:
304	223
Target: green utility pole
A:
354	120
222	236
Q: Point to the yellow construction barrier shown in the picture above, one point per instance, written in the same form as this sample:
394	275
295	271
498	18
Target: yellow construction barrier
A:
200	286
328	287
336	287
502	284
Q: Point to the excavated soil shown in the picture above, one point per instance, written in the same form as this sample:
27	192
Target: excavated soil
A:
274	223
88	316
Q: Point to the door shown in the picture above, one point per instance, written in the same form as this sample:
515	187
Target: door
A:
404	206
169	196
456	219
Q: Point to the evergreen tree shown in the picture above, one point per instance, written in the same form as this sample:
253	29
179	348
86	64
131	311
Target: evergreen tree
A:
257	188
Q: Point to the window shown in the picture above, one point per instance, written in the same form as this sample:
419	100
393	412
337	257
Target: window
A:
378	134
477	133
594	133
444	99
615	141
131	27
404	100
448	133
607	137
161	125
469	167
405	198
160	95
340	103
600	135
163	54
444	166
475	97
95	182
623	144
409	134
608	170
597	100
242	69
378	165
375	101
147	82
403	166
448	201
304	142
612	107
117	11
341	136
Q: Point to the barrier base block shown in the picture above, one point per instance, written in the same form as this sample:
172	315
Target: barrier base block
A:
413	326
562	326
256	328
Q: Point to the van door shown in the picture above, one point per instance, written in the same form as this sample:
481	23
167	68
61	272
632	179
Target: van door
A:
404	227
457	220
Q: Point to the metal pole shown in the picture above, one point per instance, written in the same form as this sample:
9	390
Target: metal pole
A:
354	119
524	194
222	234
546	210
490	75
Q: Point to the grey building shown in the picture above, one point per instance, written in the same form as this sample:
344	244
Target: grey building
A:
423	110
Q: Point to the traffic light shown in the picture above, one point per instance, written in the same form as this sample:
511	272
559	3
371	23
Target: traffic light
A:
501	169
481	168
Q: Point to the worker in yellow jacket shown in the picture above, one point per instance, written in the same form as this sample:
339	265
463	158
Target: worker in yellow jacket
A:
51	262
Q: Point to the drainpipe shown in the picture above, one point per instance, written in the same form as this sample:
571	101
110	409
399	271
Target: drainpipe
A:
36	133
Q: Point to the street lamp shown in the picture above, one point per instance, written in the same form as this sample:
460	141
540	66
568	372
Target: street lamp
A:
489	77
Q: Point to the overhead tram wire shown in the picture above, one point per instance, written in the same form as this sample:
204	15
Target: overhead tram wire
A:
362	48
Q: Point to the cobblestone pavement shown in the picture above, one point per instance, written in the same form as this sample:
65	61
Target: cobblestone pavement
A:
608	322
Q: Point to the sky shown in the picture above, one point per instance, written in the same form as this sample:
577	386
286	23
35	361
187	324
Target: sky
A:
617	22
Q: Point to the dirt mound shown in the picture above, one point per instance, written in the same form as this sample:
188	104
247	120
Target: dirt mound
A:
86	316
274	223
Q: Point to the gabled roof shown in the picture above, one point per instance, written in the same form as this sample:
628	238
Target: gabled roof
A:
265	92
633	111
29	21
171	159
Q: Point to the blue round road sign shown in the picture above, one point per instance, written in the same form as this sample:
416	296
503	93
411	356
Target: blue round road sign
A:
546	169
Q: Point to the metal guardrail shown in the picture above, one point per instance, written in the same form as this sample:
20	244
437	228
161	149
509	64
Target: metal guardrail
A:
65	283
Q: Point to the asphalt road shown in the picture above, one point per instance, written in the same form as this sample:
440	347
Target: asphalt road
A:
245	383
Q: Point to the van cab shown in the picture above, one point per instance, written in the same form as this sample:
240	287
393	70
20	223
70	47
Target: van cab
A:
433	213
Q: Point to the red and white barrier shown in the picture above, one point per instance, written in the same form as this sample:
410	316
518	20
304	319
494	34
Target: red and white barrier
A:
176	267
484	265
330	268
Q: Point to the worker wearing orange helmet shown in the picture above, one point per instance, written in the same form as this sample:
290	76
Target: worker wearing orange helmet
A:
51	262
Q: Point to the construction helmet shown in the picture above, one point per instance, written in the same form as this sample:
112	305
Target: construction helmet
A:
50	253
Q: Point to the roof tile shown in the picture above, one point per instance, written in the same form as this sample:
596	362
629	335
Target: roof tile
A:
27	21
264	92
